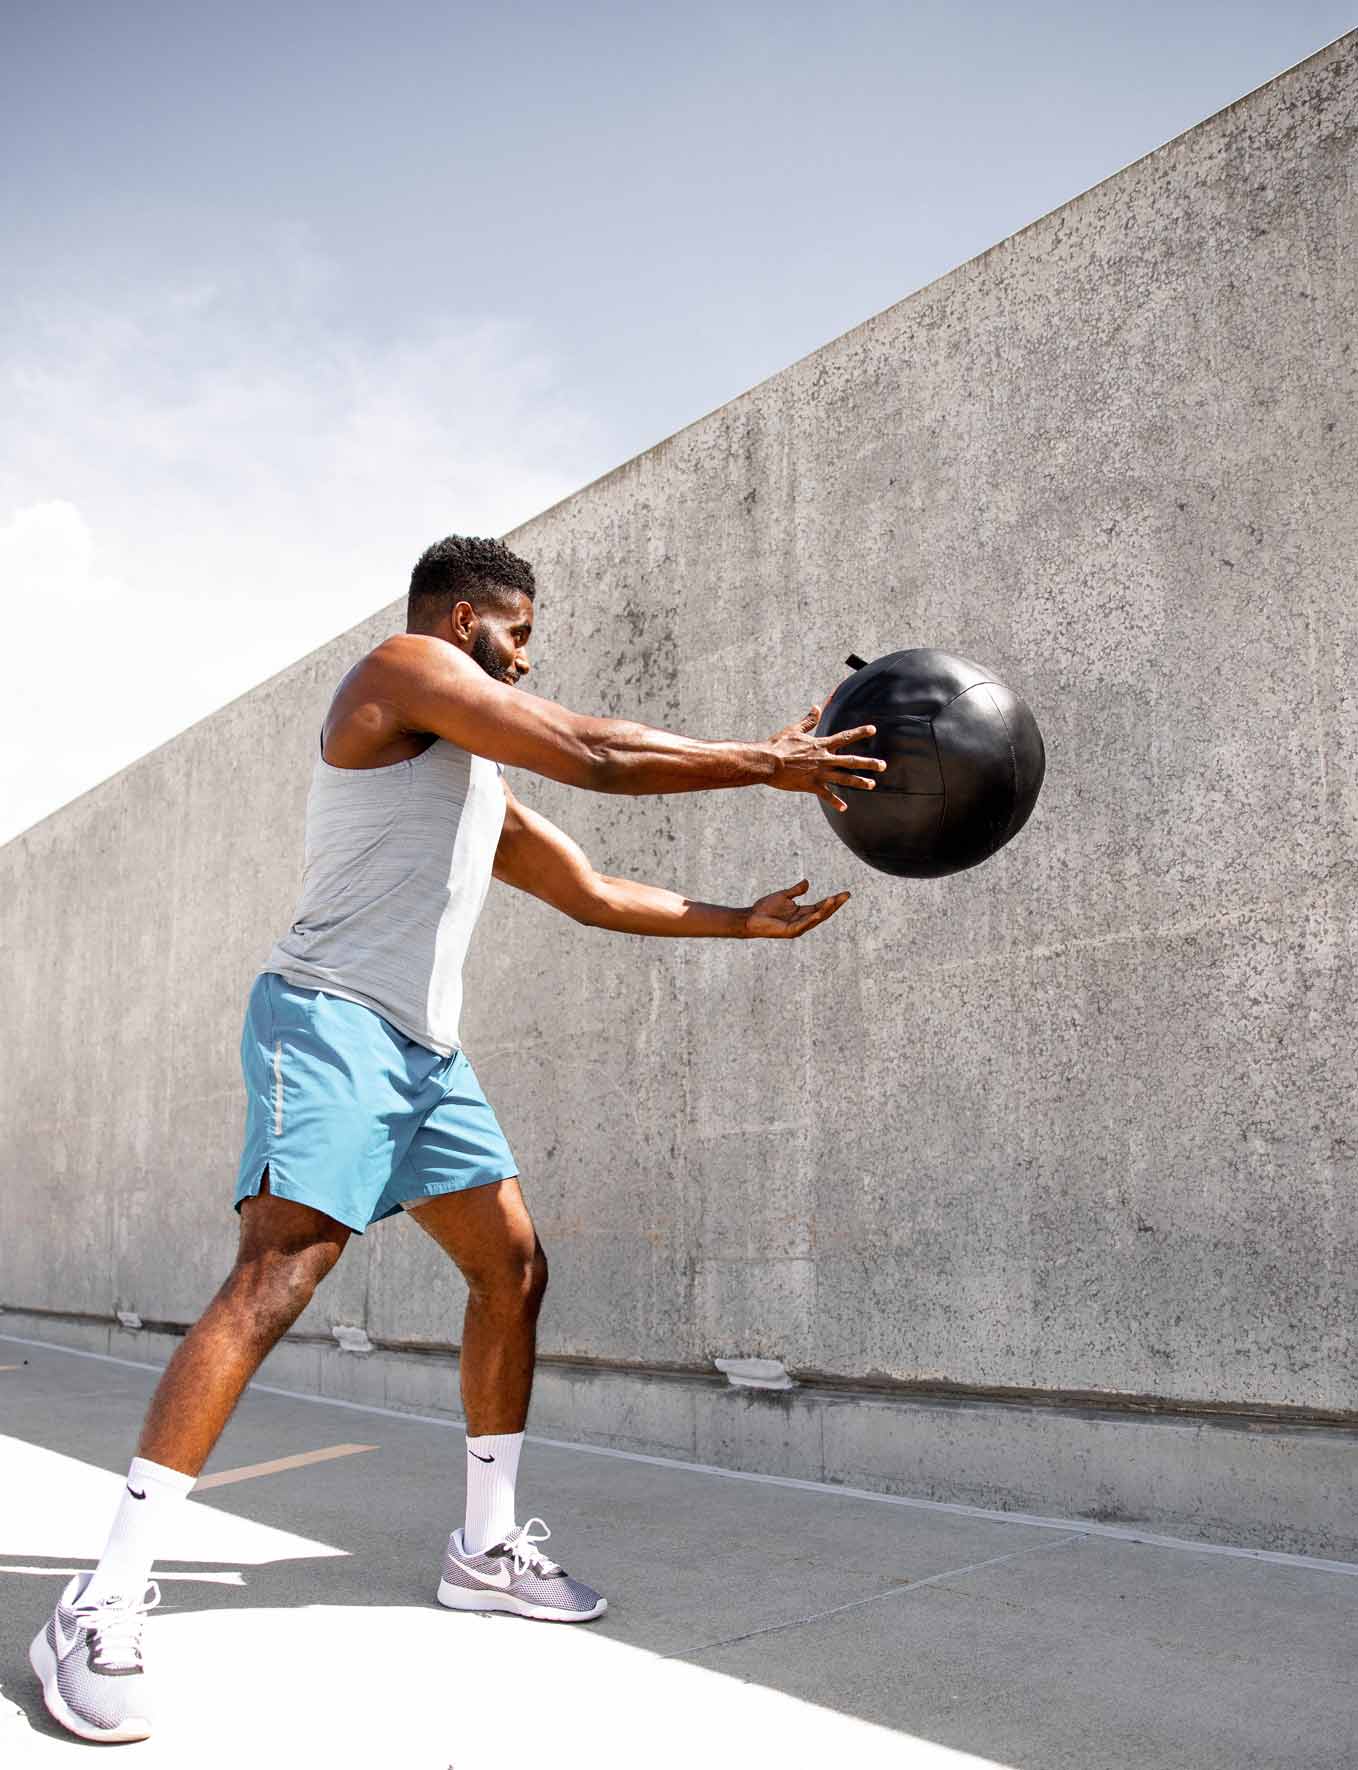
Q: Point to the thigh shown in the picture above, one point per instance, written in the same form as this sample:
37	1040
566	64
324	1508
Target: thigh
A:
333	1095
485	1229
458	1147
272	1227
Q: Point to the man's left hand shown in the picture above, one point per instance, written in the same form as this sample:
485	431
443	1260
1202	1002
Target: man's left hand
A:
780	917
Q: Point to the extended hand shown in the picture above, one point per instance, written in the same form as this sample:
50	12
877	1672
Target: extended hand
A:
780	917
805	763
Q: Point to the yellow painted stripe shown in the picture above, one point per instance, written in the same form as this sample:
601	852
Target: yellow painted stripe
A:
224	1476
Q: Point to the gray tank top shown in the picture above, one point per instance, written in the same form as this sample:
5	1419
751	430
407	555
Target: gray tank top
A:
398	864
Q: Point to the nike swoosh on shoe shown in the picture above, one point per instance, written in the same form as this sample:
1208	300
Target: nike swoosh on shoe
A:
501	1578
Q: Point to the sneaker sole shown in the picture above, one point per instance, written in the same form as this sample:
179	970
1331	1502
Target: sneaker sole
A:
464	1598
44	1663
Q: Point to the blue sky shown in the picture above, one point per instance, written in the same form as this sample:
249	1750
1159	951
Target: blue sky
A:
289	290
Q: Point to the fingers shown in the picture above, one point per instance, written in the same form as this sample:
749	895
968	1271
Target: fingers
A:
850	763
803	726
861	765
851	736
815	914
830	796
771	923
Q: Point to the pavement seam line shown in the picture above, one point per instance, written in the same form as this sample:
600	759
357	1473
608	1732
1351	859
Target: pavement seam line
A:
914	1585
1112	1532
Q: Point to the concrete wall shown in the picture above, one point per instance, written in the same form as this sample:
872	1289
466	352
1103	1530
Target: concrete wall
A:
1080	1121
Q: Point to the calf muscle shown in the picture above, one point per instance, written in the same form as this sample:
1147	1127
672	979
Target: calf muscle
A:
286	1249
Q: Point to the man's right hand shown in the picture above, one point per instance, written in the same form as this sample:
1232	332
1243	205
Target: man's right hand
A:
805	763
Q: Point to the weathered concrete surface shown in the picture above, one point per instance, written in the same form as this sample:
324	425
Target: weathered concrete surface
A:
1082	1119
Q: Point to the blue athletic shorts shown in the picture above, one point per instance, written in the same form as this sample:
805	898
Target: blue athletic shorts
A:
352	1117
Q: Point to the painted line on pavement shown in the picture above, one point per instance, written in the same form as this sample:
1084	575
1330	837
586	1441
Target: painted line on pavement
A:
1114	1532
211	1579
248	1471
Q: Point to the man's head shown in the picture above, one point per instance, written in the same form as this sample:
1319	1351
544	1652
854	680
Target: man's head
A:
478	596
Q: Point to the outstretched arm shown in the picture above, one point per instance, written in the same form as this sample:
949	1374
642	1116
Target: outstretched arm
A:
536	857
415	682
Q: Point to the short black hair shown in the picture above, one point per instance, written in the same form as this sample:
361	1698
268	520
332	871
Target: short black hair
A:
463	568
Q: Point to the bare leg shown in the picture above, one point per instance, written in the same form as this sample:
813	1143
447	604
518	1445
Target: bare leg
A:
487	1231
286	1249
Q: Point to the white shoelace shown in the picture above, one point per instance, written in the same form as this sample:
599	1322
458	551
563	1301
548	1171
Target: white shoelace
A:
523	1546
116	1629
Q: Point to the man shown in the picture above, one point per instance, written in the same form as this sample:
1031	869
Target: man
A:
360	1101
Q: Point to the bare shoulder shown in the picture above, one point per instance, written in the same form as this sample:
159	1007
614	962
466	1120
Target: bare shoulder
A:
414	687
416	658
404	669
372	721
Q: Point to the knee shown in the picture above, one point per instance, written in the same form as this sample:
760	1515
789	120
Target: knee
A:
537	1276
517	1281
274	1289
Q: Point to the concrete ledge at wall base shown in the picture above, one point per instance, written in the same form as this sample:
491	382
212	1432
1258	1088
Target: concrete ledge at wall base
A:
1257	1485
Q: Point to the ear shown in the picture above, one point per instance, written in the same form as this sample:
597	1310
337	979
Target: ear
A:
462	619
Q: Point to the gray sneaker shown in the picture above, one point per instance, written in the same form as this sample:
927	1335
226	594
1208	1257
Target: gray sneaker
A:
89	1661
516	1576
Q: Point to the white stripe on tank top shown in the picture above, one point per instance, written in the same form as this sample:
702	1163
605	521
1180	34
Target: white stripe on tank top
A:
398	864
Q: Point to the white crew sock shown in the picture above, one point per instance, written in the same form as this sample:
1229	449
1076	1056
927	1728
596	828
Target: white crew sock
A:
492	1469
125	1566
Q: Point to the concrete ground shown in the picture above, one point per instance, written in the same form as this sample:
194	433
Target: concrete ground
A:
749	1618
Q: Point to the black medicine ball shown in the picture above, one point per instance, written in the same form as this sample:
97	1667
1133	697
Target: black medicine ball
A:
964	763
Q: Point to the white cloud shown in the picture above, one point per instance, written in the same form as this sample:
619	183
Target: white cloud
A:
48	549
201	484
98	674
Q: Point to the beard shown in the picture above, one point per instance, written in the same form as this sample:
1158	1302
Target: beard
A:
484	653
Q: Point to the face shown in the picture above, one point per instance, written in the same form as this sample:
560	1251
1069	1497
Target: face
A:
498	637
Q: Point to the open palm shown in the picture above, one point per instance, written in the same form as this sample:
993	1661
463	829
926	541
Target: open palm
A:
780	917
